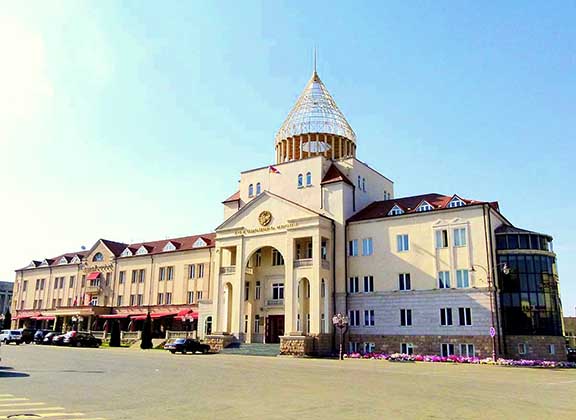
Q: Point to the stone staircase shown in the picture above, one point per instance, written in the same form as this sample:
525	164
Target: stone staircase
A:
252	349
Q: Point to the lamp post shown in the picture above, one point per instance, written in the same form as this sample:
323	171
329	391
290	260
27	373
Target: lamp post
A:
491	290
341	322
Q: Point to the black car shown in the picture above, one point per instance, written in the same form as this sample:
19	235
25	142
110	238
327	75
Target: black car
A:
80	339
40	334
49	337
184	345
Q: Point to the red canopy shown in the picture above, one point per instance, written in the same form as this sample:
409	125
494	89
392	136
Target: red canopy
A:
114	316
44	318
93	275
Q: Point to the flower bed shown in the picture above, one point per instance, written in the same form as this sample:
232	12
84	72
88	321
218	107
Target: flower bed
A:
398	357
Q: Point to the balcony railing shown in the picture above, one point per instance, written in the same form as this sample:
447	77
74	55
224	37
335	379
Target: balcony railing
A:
306	262
228	270
275	302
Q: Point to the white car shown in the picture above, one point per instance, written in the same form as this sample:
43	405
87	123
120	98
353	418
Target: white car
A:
11	336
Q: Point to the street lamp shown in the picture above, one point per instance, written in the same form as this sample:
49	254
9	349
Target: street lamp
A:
491	290
341	322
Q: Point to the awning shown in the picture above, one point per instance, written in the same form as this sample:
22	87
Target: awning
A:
44	318
93	275
114	316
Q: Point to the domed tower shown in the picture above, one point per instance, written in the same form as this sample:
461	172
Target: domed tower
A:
315	126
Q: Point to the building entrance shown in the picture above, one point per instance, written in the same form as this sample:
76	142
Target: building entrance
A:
274	328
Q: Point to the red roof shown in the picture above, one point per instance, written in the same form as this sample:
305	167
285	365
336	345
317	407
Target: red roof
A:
335	175
380	209
233	197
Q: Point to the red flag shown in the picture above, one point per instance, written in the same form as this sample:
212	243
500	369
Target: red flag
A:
273	170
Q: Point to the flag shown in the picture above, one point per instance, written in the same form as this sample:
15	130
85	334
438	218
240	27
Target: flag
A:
273	170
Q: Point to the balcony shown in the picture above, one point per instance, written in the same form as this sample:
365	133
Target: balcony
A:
305	262
275	302
94	290
228	270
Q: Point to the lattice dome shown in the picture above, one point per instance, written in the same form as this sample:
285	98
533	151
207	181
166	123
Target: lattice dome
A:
315	111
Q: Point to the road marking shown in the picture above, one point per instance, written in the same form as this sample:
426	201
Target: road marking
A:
20	404
27	408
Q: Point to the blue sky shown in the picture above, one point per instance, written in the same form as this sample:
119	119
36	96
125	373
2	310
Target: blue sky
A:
132	120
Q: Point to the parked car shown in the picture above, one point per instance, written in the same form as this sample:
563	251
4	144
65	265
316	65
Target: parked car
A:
40	334
27	335
81	339
11	336
184	345
49	337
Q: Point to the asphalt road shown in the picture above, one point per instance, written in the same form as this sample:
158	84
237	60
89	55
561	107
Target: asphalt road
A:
89	384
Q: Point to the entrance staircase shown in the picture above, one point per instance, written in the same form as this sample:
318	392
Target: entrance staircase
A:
252	349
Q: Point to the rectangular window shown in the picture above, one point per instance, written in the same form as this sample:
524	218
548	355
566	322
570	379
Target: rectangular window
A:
465	316
278	291
354	317
407	348
405	317
160	298
277	258
247	290
170	273
190	297
369	318
462	279
200	270
119	301
404	282
161	273
132	300
353	285
368	284
121	277
168	298
257	291
467	350
142	275
257	324
134	276
445	316
353	248
441	238
444	279
447	349
191	271
522	348
460	237
402	243
367	247
199	295
140	300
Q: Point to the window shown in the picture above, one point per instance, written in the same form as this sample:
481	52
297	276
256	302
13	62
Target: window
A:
200	270
456	202
353	285
132	300
190	297
407	348
191	271
465	316
98	257
353	248
168	298
462	279
277	258
170	273
404	282
402	243
445	316
134	276
354	317
162	274
118	301
447	349
368	284
405	317
441	238
258	188
247	290
208	325
424	206
395	211
551	348
140	300
369	318
199	295
444	279
257	290
142	274
257	324
251	190
278	291
364	184
121	277
467	350
308	179
300	181
522	348
367	247
460	237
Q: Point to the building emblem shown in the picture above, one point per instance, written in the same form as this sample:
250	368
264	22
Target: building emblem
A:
265	218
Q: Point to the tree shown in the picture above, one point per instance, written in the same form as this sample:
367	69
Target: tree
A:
7	320
147	333
115	334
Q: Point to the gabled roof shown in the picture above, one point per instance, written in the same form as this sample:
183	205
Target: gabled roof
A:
379	209
233	197
333	174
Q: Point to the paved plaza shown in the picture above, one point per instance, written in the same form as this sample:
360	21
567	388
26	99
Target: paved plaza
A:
88	384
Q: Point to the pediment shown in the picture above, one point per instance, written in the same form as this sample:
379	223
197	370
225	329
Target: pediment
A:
266	210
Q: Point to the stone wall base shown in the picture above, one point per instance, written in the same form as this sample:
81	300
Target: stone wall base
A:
537	347
217	342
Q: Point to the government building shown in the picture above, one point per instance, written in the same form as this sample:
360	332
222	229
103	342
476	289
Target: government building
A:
316	233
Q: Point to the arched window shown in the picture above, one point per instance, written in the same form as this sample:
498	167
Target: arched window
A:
300	181
308	179
258	188
98	257
250	190
208	326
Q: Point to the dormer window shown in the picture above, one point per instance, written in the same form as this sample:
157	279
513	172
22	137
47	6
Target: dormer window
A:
199	243
126	253
62	261
98	257
456	202
424	206
169	247
251	190
300	181
258	189
308	179
395	211
142	251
